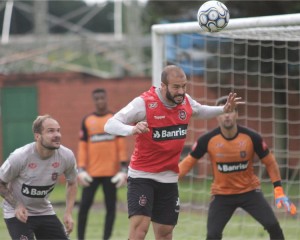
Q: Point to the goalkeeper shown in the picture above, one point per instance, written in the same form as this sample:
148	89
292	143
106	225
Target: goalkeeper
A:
231	149
102	160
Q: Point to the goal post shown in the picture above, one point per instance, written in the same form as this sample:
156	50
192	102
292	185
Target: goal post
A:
259	58
159	31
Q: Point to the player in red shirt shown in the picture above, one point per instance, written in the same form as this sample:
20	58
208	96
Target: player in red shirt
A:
231	149
159	119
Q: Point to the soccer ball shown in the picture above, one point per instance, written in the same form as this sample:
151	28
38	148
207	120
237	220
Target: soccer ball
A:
213	16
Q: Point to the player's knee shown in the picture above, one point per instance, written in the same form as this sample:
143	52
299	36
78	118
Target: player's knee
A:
275	231
138	227
164	232
139	233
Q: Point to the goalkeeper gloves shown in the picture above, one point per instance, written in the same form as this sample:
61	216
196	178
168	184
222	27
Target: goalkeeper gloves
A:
282	200
84	178
119	179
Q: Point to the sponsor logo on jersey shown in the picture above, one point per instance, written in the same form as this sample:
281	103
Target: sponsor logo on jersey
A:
101	137
81	134
219	145
182	114
36	191
242	144
194	146
170	133
264	146
232	167
159	117
55	164
177	207
152	105
32	165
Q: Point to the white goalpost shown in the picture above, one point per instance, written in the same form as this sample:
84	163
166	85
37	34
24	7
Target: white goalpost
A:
259	58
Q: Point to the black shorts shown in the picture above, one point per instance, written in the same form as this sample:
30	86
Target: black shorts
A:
159	201
40	227
222	207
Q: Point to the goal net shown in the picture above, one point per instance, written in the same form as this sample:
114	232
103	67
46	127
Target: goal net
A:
258	58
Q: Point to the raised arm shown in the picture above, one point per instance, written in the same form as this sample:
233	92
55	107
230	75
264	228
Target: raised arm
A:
208	112
129	120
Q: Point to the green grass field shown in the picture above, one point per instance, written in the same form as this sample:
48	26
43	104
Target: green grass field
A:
191	225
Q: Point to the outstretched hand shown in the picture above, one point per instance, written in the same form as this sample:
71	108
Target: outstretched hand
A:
232	102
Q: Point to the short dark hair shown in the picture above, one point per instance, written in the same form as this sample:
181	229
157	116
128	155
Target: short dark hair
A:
37	125
99	90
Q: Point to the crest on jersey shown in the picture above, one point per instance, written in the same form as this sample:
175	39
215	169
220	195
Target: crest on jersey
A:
243	154
182	114
23	237
54	176
55	164
152	105
143	200
32	165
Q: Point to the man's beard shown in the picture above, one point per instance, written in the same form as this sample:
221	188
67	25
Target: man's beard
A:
49	147
228	126
171	98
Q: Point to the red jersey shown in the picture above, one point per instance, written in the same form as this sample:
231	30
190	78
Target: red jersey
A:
232	159
100	153
159	150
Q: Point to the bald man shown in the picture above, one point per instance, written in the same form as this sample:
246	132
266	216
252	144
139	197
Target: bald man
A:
159	118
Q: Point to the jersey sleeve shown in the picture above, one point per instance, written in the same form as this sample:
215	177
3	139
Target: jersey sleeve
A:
82	151
122	122
11	168
204	111
267	158
200	147
272	167
260	146
71	168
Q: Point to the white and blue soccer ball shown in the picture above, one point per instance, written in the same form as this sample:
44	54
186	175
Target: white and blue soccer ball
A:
213	16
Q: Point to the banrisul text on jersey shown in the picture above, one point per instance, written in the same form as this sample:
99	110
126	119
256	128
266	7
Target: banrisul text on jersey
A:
168	129
168	133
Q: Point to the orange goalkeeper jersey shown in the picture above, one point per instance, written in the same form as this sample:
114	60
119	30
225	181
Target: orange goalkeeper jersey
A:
232	160
99	152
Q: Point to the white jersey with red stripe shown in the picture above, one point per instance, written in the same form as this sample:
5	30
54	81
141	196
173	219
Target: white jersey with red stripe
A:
32	179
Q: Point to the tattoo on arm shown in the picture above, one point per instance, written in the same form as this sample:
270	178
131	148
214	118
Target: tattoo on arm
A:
7	195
